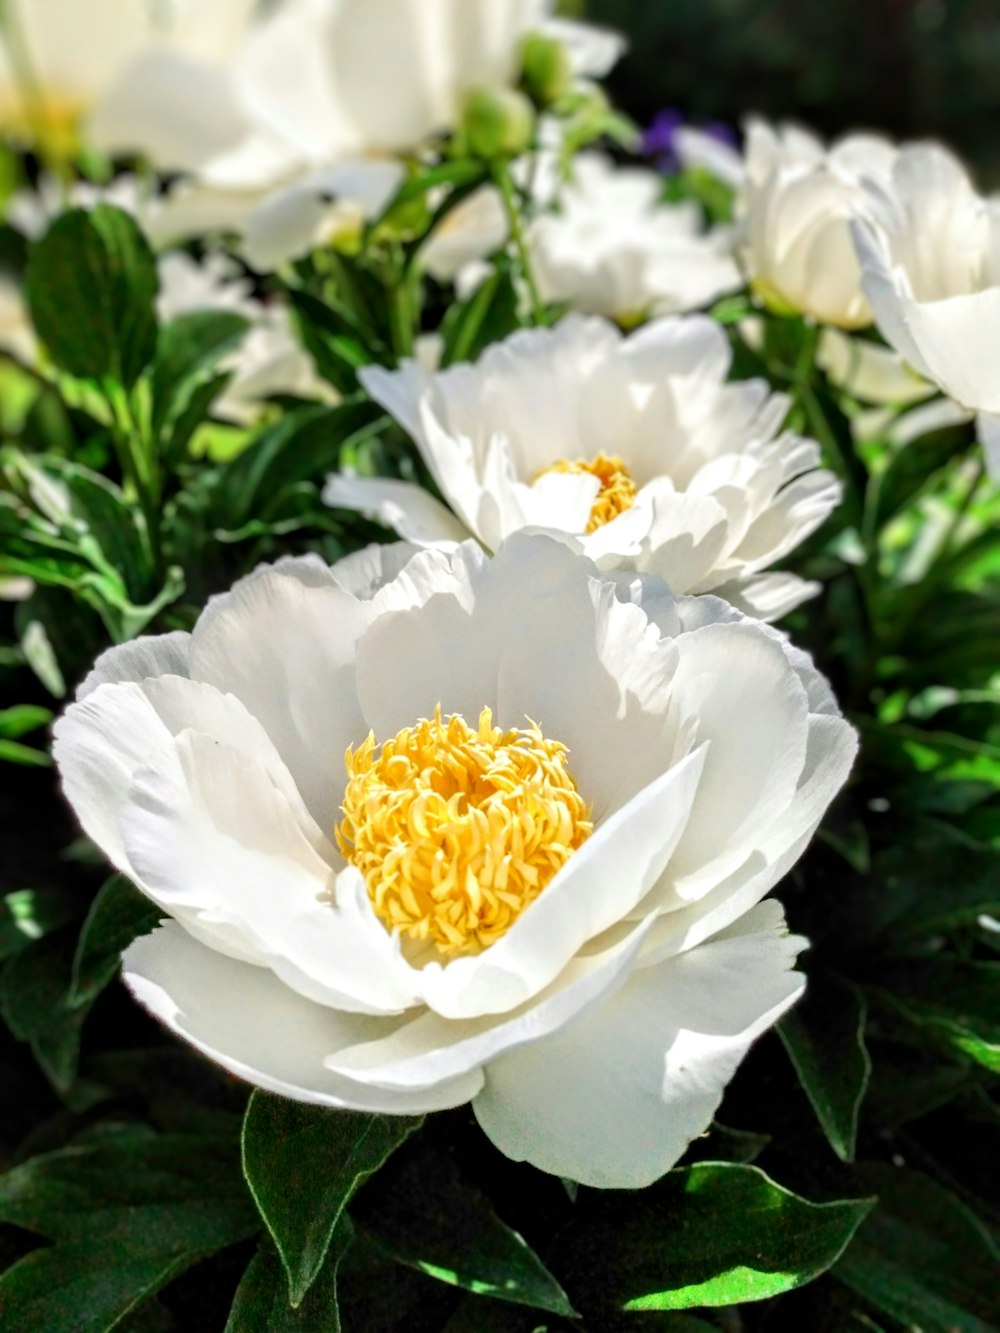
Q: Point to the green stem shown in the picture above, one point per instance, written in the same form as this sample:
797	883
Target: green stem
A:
140	468
508	193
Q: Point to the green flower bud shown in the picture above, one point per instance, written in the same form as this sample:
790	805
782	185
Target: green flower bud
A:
498	122
546	69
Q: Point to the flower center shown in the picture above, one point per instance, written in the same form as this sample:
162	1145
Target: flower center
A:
456	830
618	490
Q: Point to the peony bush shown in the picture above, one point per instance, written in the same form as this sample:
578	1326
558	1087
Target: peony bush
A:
500	690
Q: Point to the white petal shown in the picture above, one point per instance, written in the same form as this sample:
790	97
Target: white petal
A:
768	597
735	685
366	572
177	111
614	1100
152	655
244	1019
594	51
401	505
431	1048
287	651
209	834
833	747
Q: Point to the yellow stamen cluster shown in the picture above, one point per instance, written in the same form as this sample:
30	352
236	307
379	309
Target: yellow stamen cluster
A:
456	830
618	490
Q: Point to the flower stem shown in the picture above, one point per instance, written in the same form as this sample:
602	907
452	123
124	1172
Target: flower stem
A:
508	193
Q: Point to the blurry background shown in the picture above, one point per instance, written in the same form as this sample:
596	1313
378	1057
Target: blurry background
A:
910	67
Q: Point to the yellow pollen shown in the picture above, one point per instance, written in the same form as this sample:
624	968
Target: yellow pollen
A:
618	490
456	830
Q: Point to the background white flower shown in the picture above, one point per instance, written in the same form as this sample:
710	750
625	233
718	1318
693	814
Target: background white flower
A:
65	65
612	246
930	248
329	93
795	210
595	1036
637	444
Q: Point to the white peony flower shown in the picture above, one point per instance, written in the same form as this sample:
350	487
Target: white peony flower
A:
636	444
614	248
65	64
534	884
930	248
795	210
331	93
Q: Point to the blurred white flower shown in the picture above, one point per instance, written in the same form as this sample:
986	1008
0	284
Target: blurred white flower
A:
930	248
612	247
65	65
635	444
555	914
331	93
795	211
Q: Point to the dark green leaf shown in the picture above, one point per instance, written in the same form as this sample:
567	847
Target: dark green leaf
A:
922	1257
463	174
426	1217
713	1234
34	987
92	285
31	914
119	915
914	466
825	1039
955	1003
127	1216
261	1304
303	1165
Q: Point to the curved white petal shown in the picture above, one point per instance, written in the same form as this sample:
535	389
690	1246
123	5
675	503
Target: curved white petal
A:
209	834
403	506
614	1100
430	1049
741	696
287	652
248	1022
151	655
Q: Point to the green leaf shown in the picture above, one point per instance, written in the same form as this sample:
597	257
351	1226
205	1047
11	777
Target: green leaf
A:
34	987
303	1165
92	285
261	1304
713	1234
22	719
187	358
922	1257
303	446
127	1216
120	914
31	914
914	466
825	1040
428	1218
956	1003
13	753
489	315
